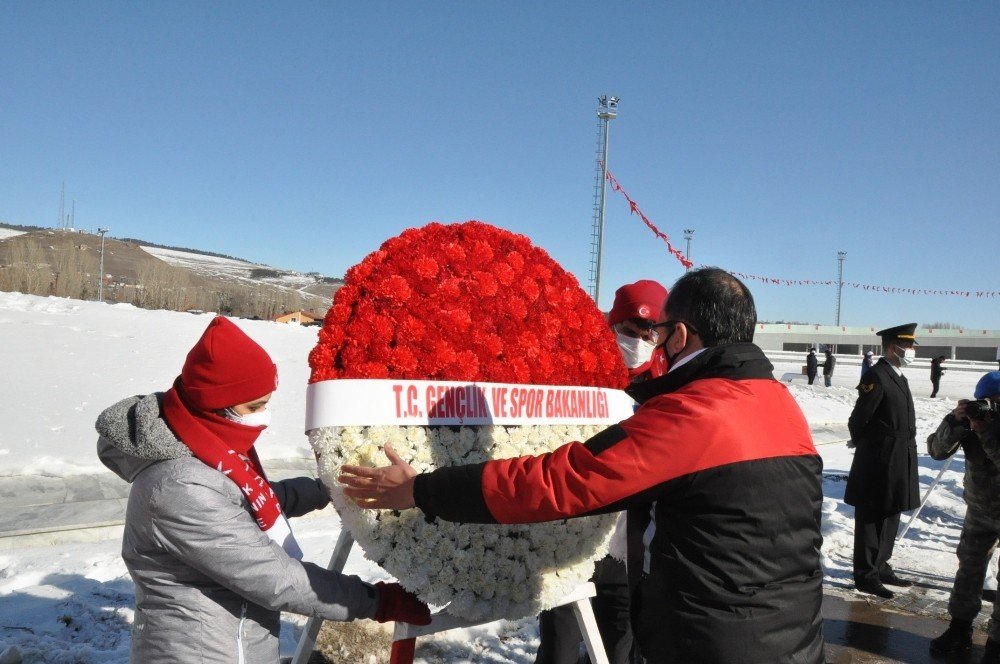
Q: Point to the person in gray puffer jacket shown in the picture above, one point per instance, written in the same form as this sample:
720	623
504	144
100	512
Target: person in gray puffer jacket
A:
206	538
977	437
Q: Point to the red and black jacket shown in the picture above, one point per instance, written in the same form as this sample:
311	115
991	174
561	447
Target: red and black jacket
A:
722	485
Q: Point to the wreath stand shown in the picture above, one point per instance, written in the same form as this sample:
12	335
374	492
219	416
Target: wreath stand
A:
404	637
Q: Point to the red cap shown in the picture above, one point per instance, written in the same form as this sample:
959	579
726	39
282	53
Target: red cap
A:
644	299
226	368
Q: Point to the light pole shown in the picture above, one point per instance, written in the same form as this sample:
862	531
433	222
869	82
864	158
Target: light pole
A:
607	110
100	277
841	255
688	235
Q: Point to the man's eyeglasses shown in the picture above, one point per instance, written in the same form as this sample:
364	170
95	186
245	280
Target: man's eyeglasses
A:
674	323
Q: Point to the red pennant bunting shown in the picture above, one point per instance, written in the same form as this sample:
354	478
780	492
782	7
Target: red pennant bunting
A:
679	255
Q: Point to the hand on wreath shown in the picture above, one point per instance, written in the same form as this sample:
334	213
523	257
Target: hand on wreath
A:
385	488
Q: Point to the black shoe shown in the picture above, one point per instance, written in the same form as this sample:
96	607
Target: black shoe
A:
874	588
891	579
992	654
957	637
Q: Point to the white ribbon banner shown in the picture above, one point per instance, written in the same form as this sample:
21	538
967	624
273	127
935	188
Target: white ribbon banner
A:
373	402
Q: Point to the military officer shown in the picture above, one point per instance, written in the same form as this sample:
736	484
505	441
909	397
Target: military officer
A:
883	479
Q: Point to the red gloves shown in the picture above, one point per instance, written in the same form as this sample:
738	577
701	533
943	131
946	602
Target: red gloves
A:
399	605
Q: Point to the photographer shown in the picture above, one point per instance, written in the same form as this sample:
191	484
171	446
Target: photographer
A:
973	426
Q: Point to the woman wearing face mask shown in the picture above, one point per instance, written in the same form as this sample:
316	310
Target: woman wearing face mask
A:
636	307
206	539
883	478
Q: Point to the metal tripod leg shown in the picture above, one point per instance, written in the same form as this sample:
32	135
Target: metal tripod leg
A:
927	495
307	642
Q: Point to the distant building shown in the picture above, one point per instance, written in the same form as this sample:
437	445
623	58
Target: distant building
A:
300	317
956	344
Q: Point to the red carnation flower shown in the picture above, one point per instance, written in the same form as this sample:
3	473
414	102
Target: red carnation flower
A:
515	260
481	252
529	289
516	307
504	273
492	344
425	267
393	288
486	283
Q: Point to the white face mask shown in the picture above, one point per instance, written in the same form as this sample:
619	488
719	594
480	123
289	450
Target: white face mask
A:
907	357
261	418
635	352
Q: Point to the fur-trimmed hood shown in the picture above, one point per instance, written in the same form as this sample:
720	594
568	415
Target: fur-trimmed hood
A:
134	435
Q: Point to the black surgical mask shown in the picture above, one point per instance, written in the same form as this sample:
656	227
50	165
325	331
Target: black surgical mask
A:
671	358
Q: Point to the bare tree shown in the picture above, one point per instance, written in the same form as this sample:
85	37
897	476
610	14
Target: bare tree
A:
161	287
73	272
27	271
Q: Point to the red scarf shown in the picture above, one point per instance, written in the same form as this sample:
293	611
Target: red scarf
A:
228	447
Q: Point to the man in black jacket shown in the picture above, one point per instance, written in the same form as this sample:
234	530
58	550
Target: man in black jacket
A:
812	363
828	364
720	478
936	371
883	478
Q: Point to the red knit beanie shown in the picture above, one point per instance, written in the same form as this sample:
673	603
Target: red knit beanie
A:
644	299
226	368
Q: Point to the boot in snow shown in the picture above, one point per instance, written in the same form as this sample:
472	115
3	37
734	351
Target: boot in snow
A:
957	637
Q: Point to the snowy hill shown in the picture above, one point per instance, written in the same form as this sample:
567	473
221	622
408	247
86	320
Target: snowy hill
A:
237	270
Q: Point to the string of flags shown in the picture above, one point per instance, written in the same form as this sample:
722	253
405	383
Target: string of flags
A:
634	208
679	255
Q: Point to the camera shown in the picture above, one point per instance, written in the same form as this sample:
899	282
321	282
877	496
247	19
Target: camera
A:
980	409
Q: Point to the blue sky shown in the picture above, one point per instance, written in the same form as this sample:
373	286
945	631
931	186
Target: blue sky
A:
303	135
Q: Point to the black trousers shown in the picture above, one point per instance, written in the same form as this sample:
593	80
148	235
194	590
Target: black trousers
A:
937	386
874	540
559	635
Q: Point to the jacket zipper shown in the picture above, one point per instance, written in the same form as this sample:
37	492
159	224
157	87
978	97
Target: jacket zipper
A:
239	635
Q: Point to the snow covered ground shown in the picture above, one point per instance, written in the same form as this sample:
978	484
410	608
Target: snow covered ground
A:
66	360
8	232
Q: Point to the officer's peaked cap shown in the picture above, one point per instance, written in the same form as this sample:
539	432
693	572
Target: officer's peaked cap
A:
900	332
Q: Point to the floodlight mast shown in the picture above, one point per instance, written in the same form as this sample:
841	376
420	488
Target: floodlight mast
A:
100	277
688	235
607	110
841	255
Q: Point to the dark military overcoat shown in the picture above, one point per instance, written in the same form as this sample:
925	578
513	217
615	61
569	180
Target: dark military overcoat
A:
883	426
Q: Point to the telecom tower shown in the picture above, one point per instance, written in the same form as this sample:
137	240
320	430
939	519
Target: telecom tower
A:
66	221
607	110
62	206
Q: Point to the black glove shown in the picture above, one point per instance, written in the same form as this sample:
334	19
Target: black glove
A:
397	604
